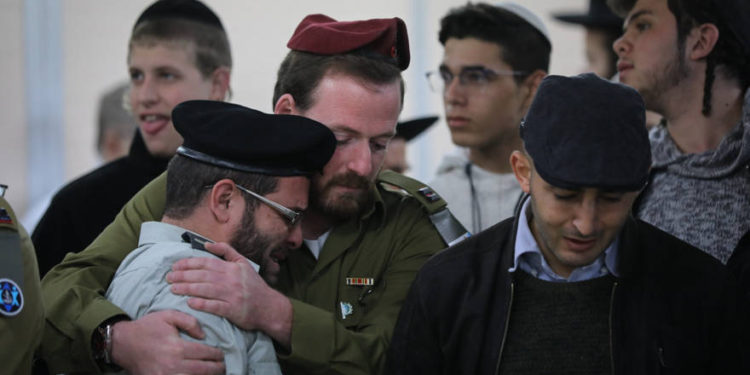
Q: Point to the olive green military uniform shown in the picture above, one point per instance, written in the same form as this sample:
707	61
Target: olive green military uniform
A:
338	326
21	310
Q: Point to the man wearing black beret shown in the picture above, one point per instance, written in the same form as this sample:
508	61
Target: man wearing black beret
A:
231	181
366	233
572	284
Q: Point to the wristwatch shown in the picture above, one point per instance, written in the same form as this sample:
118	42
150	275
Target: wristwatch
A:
101	345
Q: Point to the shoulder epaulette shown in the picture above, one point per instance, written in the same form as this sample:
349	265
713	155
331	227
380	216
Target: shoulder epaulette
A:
398	183
447	225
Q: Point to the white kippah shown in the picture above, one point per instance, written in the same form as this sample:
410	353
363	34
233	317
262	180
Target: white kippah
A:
527	15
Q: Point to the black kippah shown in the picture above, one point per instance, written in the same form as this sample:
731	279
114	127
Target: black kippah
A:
192	10
236	137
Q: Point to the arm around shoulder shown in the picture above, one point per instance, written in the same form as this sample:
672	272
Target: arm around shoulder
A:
73	291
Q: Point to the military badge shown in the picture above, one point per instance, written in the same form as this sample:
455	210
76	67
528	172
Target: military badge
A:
11	298
429	194
346	309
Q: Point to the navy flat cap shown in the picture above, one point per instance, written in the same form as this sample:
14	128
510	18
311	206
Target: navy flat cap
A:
192	10
584	131
236	137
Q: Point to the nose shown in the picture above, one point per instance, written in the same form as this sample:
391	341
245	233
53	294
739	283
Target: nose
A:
146	92
621	45
294	240
585	217
360	159
453	91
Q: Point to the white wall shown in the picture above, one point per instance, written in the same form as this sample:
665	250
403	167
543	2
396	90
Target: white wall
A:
94	45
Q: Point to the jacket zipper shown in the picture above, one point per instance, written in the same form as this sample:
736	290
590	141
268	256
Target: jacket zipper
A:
505	331
611	339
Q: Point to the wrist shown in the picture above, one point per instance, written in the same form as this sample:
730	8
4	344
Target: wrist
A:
102	344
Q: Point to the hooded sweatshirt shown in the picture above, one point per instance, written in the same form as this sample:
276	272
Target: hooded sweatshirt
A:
703	199
495	194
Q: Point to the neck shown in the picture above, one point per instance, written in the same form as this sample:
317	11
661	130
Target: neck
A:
495	158
200	226
692	131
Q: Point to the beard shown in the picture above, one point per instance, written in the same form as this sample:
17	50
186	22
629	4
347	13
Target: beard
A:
346	205
664	80
254	245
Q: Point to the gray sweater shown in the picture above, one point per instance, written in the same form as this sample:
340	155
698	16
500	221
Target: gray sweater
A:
703	199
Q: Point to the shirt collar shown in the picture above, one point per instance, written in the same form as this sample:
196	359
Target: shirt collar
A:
529	257
155	231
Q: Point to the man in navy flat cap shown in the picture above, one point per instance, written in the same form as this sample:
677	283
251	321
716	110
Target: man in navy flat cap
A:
572	284
366	233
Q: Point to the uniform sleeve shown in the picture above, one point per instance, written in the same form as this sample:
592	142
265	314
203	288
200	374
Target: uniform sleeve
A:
322	343
73	291
20	334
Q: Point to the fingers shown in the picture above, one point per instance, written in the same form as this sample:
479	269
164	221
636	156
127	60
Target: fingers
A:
199	263
185	323
225	251
202	352
215	307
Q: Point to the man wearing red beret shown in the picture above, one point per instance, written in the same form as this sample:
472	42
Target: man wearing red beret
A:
366	234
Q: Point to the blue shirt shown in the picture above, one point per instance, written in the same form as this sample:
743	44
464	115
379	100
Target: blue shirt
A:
529	258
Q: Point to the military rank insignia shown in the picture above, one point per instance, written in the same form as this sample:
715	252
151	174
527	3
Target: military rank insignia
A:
4	217
429	194
11	298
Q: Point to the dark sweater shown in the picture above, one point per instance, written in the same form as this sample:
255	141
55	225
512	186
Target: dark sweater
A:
82	208
560	328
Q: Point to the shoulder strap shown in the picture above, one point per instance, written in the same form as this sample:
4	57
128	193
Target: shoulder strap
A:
445	223
11	262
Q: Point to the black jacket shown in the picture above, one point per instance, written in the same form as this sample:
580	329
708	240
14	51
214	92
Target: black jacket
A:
83	207
673	308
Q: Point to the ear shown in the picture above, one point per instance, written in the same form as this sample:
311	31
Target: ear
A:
701	41
286	105
521	165
220	83
530	85
223	198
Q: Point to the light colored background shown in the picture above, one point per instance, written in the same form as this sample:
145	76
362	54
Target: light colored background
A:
58	56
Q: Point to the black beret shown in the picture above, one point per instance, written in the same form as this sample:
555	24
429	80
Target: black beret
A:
412	128
192	10
584	131
382	37
236	137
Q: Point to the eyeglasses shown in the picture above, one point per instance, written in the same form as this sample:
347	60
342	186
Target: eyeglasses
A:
474	78
292	216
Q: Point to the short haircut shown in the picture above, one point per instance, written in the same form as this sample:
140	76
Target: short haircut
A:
189	180
113	115
301	72
523	47
210	43
727	53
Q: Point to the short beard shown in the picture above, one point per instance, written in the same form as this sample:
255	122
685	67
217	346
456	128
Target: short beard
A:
675	71
247	240
346	205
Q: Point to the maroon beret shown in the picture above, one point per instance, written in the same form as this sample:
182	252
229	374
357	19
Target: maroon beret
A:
323	35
